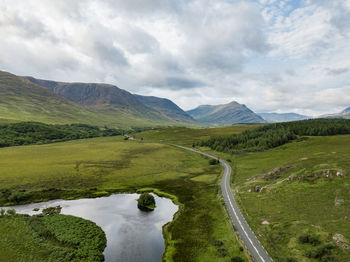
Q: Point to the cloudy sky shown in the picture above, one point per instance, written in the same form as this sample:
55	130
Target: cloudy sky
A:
282	56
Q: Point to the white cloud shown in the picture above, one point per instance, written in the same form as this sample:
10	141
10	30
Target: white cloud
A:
268	54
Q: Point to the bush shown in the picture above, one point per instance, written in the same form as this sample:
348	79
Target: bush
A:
308	239
146	202
236	259
52	210
323	253
218	243
2	212
213	161
11	212
18	197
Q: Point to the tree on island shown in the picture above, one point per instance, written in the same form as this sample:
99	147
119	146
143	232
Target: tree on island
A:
146	202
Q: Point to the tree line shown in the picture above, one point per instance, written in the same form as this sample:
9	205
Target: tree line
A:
273	135
26	133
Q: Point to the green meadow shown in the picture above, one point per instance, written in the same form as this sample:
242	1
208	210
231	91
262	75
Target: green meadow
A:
95	167
188	136
304	190
303	193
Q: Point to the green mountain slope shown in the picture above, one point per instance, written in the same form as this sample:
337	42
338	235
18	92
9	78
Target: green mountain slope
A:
227	114
21	100
167	107
29	99
285	117
110	100
100	96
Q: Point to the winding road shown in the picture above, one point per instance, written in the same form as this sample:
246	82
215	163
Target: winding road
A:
256	250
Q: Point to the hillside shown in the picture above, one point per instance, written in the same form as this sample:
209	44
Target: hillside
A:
21	100
30	99
111	101
227	114
167	107
100	95
284	117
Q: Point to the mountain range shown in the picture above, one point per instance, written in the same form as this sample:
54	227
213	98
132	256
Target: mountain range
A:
345	114
226	114
31	99
282	117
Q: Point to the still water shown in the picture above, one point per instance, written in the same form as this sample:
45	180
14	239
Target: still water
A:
132	235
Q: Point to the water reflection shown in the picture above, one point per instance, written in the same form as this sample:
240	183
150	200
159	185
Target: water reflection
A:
132	235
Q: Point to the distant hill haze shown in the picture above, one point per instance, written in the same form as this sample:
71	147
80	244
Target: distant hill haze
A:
345	114
31	99
283	117
227	114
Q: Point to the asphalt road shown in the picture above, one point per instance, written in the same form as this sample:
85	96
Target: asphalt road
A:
256	250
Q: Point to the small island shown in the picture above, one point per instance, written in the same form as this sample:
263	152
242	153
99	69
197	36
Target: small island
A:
146	202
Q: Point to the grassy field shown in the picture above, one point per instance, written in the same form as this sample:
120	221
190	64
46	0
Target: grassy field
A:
100	166
50	238
304	189
188	136
300	193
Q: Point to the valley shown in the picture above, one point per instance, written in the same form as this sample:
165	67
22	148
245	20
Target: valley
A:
174	131
101	166
287	178
294	190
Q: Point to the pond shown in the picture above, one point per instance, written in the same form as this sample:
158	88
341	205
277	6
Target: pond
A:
132	235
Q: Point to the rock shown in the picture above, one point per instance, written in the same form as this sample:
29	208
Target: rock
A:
339	174
249	190
265	222
341	241
257	189
338	202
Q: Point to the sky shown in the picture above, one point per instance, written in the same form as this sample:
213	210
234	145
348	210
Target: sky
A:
273	56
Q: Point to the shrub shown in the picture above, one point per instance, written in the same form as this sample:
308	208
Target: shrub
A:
2	212
18	197
308	239
146	202
323	253
11	212
213	161
236	259
218	243
222	252
52	210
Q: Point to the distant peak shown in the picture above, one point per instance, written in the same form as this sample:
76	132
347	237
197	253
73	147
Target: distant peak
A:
346	110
